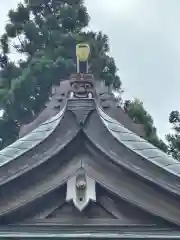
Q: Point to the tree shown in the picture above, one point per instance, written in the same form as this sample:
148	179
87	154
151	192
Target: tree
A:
9	130
46	32
174	137
138	114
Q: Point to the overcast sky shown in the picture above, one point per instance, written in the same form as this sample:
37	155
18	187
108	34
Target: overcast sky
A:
145	41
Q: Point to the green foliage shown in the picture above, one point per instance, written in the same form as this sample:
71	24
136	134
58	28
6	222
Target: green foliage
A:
138	114
174	137
4	43
46	33
9	130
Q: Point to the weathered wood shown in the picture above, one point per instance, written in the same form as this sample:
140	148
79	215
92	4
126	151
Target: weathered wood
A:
130	190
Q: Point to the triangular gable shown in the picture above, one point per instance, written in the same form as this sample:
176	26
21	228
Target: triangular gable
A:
107	208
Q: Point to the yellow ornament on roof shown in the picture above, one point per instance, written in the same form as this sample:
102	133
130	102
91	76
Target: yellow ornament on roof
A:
82	52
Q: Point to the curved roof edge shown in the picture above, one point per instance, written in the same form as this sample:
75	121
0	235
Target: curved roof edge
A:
140	146
30	140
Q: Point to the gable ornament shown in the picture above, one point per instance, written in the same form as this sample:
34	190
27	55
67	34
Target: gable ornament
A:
81	190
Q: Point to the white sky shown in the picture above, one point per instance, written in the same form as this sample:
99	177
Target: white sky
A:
145	41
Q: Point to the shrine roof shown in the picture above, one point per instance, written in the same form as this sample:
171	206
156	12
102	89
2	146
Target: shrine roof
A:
139	145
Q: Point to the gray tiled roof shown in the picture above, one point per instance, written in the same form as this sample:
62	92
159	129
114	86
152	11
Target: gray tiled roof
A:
31	140
139	145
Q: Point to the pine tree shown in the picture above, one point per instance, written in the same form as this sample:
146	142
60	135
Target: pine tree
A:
174	137
138	114
46	32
